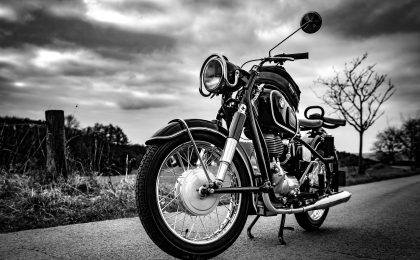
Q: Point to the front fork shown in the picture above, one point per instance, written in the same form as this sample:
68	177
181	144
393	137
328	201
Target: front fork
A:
235	131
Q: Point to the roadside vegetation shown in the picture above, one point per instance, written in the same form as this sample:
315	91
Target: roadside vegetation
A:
101	184
377	172
95	157
26	204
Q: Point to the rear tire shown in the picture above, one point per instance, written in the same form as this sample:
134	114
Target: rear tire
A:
312	220
206	234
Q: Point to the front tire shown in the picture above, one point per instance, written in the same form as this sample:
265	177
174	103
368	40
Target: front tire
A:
173	216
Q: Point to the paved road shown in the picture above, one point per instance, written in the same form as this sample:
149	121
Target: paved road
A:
381	221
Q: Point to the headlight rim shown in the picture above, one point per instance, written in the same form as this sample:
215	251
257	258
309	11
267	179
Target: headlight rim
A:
224	83
221	79
222	59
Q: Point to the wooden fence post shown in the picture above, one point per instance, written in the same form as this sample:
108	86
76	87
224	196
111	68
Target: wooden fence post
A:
56	149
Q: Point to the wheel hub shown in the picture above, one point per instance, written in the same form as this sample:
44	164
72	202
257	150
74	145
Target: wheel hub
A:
186	188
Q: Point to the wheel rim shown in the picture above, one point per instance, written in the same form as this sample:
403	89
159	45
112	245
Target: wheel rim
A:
195	226
316	215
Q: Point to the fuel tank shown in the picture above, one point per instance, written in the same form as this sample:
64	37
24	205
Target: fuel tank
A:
275	114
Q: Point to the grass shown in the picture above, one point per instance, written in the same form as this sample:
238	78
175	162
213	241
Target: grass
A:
376	172
25	204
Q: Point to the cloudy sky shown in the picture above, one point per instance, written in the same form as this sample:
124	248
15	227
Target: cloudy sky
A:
136	63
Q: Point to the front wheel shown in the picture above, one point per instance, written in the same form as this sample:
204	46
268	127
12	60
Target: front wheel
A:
176	218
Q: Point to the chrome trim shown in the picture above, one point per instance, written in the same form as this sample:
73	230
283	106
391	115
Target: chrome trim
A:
235	81
167	137
220	58
259	89
326	202
305	174
223	64
242	109
306	154
226	159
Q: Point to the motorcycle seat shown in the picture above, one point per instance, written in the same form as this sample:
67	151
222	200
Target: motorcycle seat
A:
307	124
328	121
335	121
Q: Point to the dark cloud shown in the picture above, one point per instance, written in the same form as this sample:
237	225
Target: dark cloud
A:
45	29
166	79
4	84
361	18
148	7
218	4
23	9
146	103
78	70
6	65
11	94
408	95
23	68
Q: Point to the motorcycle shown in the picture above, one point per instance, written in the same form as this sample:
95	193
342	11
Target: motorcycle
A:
197	184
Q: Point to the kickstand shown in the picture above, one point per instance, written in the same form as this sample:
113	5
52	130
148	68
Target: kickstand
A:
252	225
282	227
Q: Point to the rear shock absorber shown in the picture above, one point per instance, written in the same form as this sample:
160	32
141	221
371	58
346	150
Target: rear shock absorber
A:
329	151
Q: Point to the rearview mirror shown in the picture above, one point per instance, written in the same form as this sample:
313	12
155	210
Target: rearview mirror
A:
313	22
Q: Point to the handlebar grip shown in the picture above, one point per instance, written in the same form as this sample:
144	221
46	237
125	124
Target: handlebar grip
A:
296	56
300	56
321	109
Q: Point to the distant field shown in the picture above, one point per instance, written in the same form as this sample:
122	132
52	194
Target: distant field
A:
377	173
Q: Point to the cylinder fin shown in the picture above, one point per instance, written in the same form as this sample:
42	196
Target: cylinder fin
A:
274	145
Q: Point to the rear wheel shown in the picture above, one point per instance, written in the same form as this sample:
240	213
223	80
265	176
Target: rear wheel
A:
176	218
312	220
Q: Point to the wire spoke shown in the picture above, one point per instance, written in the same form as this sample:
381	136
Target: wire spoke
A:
170	202
180	158
180	219
167	196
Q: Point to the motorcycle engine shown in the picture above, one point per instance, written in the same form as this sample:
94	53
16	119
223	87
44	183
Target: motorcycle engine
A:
284	184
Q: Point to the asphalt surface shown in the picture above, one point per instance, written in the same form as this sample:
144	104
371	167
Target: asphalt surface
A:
381	221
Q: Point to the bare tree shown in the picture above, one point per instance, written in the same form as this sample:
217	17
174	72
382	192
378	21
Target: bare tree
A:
357	96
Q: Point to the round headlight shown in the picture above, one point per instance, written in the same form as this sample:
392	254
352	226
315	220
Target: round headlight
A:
213	75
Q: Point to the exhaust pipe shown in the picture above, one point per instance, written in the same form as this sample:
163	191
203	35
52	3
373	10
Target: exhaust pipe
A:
327	202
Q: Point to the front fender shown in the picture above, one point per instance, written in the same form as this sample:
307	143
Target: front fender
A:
174	130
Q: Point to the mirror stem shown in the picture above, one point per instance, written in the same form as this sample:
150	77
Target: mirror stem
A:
308	22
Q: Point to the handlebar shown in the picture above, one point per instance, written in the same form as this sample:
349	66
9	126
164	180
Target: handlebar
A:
328	122
281	58
296	56
319	116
